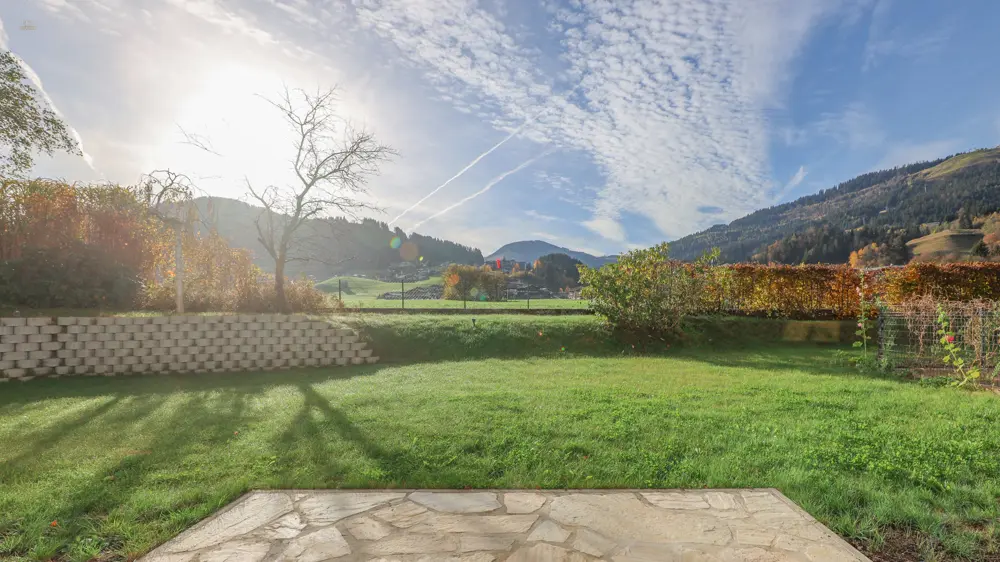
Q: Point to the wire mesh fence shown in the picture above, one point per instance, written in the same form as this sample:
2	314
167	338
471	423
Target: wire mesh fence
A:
909	338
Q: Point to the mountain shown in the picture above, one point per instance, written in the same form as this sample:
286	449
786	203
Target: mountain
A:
336	246
887	207
531	250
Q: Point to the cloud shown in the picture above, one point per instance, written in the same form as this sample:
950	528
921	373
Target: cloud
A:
666	98
885	41
797	178
908	153
4	39
36	81
854	126
535	215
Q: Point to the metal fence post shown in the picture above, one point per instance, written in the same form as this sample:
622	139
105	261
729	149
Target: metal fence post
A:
982	339
402	294
880	335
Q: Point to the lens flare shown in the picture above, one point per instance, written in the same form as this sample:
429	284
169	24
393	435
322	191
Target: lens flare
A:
395	243
409	251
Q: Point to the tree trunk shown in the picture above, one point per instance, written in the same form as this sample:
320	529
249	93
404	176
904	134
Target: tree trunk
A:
279	285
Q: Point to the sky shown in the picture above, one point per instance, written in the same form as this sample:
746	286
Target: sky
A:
596	125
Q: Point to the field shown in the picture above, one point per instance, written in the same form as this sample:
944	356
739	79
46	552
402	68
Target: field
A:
351	302
363	293
361	287
108	468
939	245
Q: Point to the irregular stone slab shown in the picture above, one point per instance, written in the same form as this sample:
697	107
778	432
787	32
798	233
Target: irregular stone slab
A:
755	536
623	516
239	550
317	546
517	502
549	532
170	557
763	501
828	553
592	543
285	527
334	506
367	529
675	500
649	552
256	510
402	515
477	557
722	500
410	543
471	543
755	554
457	502
479	524
543	552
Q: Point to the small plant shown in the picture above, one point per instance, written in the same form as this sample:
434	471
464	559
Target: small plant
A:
954	357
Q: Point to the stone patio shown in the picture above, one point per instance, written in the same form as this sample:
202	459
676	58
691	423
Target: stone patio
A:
514	526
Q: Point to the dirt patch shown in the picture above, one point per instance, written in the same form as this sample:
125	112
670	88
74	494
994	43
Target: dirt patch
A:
905	546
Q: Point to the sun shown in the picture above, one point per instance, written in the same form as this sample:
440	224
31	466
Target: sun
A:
229	114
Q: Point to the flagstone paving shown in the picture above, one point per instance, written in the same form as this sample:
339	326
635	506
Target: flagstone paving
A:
512	526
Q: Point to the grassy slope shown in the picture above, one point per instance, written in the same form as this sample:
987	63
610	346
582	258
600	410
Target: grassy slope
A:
960	161
123	464
371	302
361	287
948	242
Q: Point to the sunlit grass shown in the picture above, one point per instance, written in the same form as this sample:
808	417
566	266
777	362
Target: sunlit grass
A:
122	464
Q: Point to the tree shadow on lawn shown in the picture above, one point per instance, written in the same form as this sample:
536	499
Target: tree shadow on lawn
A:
322	459
17	395
811	358
150	484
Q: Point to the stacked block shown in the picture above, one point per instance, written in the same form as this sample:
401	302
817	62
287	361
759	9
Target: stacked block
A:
54	347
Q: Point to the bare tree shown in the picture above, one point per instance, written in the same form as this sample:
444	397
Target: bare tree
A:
168	197
332	161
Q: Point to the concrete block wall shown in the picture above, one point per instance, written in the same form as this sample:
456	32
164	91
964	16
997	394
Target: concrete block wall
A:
54	347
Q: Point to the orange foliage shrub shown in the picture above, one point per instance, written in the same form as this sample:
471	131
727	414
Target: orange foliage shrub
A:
115	221
832	290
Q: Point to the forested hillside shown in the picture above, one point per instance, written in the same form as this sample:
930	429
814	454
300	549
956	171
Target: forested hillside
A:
333	246
886	208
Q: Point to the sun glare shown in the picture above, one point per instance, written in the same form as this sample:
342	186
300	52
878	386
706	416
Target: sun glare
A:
228	115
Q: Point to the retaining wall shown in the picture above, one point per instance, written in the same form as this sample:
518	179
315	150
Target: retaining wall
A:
52	347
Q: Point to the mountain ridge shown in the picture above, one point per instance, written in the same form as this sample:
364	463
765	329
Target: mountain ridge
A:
882	206
531	250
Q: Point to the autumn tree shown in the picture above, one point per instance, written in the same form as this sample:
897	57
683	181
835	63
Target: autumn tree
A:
26	125
331	162
460	280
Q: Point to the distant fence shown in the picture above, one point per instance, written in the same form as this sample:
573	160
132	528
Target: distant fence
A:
478	311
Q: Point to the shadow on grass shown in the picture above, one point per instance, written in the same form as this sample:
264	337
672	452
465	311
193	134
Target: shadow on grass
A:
17	395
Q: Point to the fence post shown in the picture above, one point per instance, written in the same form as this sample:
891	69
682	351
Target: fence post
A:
982	339
880	334
340	294
402	293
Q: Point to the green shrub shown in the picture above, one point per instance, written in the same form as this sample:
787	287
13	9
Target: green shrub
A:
646	293
76	275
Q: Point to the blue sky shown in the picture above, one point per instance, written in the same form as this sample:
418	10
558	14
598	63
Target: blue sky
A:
619	124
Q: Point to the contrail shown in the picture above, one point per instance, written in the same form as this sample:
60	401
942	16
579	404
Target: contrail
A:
493	182
462	171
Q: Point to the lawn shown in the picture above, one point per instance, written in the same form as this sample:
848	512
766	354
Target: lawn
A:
371	302
111	467
362	287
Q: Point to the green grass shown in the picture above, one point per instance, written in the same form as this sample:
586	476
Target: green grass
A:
125	463
361	287
960	161
371	302
945	243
